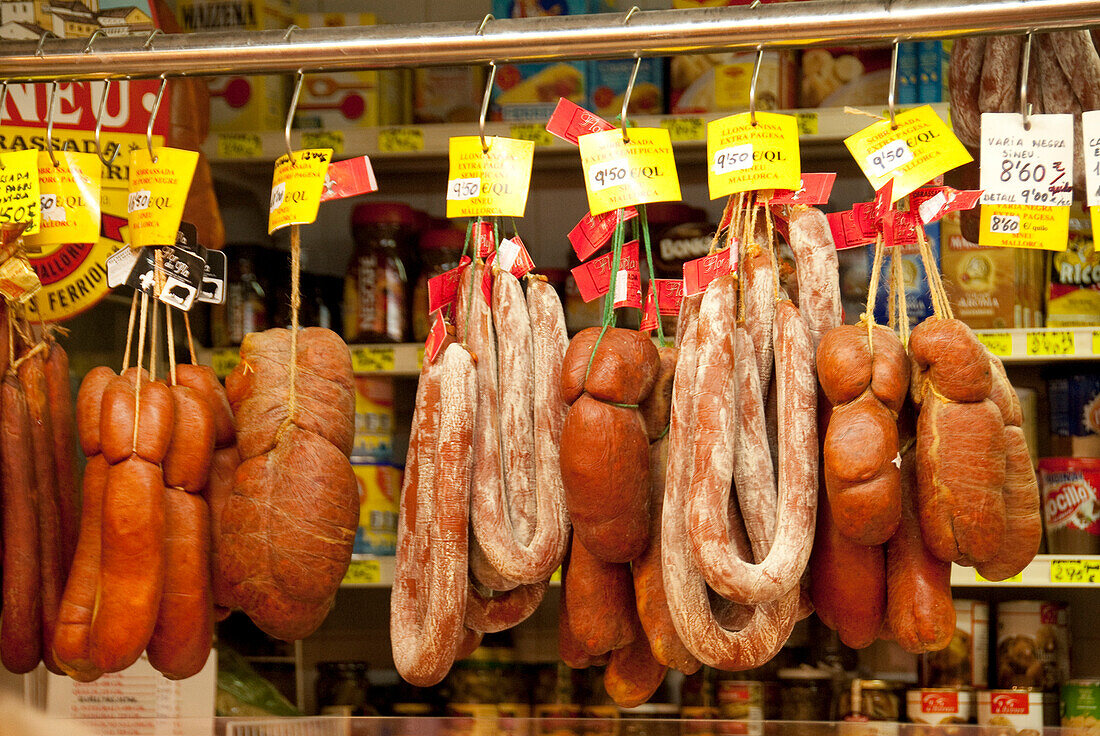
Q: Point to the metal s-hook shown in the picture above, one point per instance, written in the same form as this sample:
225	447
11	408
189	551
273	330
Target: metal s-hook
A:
99	127
630	84
290	30
1025	106
49	125
290	112
752	86
149	39
3	103
488	87
153	118
892	96
91	39
39	51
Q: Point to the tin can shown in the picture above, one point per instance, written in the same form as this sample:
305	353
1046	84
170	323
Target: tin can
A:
1032	644
938	706
1080	705
1071	504
741	705
964	663
1017	712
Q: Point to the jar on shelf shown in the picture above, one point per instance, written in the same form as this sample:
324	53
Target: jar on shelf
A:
805	694
343	689
440	250
375	285
246	296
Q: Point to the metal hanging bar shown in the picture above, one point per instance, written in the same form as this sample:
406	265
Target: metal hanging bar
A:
650	33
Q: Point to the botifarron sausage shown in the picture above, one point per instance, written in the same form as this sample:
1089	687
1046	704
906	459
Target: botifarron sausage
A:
633	673
427	606
601	601
489	614
966	80
61	419
21	623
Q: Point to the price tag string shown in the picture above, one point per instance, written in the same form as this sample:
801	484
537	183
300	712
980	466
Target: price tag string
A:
643	225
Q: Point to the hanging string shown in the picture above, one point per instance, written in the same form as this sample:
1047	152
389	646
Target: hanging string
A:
190	342
153	354
130	331
473	273
935	280
295	305
171	344
892	301
609	298
872	294
903	304
137	373
772	248
643	225
727	217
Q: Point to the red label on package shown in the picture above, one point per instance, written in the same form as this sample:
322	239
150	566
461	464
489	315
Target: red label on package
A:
443	289
628	288
816	189
594	278
482	234
669	294
939	701
512	256
649	314
570	121
699	273
436	336
1008	703
349	178
594	231
487	279
935	202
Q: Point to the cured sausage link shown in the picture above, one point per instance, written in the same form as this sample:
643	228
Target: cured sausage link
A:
425	642
489	615
59	390
601	601
707	517
21	623
812	243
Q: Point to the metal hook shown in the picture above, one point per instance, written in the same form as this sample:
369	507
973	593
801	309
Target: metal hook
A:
149	40
891	99
485	105
49	125
290	112
630	85
290	29
153	118
99	127
91	39
1025	106
3	103
484	22
752	86
42	39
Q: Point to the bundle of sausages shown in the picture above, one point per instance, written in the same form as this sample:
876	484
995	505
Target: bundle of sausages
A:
482	524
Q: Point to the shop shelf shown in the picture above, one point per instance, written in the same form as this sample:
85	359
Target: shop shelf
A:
389	359
1041	345
1045	571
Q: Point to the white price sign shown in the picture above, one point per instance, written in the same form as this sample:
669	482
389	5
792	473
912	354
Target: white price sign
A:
734	158
893	155
1090	122
1027	167
460	189
612	174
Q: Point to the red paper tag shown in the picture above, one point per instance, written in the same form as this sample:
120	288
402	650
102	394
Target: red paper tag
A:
884	200
649	314
487	279
482	234
932	203
816	189
443	289
436	336
594	231
348	179
570	121
512	256
700	272
670	292
628	288
594	278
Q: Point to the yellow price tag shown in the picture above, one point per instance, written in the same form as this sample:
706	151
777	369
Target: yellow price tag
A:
1024	226
1096	342
371	359
1094	218
920	149
69	197
620	174
363	572
224	360
239	145
400	140
999	343
333	139
158	191
807	123
493	182
420	358
555	577
685	129
533	132
743	157
1075	571
19	195
296	188
1051	342
1017	578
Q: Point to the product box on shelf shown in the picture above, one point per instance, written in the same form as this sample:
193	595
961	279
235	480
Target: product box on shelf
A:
990	288
701	83
1071	508
379	498
1073	280
448	94
248	103
918	296
1074	399
845	75
1032	645
529	92
607	82
335	100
